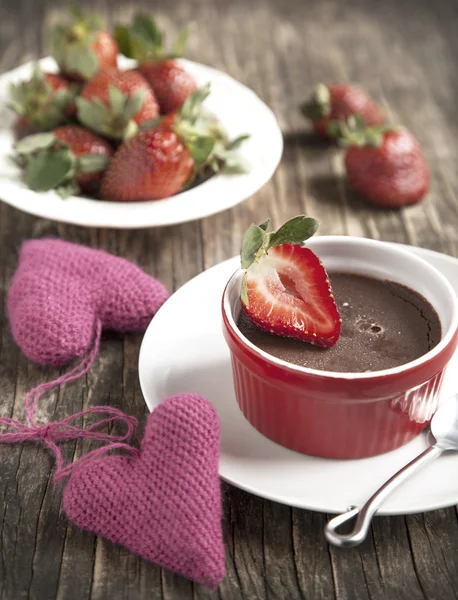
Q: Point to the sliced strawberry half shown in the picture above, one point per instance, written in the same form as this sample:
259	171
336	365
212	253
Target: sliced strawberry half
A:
286	291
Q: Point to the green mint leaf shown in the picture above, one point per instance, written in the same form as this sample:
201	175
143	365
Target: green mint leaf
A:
294	231
47	170
252	241
265	226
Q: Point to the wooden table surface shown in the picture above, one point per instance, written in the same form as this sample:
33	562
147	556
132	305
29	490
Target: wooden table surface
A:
403	53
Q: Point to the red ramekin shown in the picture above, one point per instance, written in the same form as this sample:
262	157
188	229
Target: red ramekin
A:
345	415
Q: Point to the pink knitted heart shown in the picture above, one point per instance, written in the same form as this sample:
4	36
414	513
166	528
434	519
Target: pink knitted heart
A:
61	292
164	505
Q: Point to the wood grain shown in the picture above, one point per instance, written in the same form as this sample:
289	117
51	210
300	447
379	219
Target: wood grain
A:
405	54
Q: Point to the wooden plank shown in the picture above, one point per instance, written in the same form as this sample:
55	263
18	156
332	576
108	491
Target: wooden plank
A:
404	54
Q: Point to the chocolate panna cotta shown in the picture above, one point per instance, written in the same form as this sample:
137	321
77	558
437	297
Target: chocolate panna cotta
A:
288	309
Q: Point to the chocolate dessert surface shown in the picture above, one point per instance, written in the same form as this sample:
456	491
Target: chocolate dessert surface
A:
384	325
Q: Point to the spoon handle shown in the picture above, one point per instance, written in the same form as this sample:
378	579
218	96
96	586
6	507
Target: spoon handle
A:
365	514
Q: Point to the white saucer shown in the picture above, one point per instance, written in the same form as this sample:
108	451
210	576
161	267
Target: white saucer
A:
237	107
184	351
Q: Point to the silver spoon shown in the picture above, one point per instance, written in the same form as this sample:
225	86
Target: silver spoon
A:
444	430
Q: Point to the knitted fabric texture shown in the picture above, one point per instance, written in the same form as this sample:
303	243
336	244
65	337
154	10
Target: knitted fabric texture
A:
164	505
60	292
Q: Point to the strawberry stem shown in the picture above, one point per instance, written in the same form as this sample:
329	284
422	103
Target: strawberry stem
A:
319	103
354	132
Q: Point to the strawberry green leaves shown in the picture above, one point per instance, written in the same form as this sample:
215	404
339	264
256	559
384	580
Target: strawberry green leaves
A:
227	159
294	231
265	226
180	42
71	45
45	170
115	120
319	104
34	143
206	139
81	59
36	100
257	240
252	242
201	149
144	40
355	132
50	164
192	107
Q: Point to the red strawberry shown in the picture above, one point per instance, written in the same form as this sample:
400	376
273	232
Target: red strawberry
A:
69	159
387	166
337	102
22	127
82	142
169	121
84	47
44	101
115	103
159	162
171	83
152	165
286	289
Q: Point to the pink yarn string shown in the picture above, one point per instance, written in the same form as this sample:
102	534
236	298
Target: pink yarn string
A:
64	430
32	398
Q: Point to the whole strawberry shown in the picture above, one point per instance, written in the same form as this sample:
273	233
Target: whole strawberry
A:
385	165
285	289
114	103
154	164
83	47
336	103
69	159
42	102
171	83
159	162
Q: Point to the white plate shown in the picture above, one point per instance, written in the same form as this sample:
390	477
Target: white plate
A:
237	107
184	351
